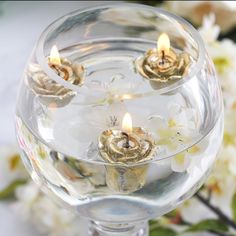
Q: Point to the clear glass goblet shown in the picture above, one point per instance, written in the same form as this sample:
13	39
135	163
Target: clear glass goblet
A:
71	107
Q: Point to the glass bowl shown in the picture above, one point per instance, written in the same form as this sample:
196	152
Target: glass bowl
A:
69	116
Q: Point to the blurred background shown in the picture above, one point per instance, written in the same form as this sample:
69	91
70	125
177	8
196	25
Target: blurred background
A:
21	23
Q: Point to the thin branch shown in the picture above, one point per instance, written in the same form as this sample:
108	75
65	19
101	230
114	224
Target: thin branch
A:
216	210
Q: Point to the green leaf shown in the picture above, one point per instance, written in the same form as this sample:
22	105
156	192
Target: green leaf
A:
152	222
210	224
233	206
9	191
162	231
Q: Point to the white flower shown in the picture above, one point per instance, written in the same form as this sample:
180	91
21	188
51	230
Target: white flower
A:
180	162
222	178
189	158
192	211
230	127
49	218
176	133
178	119
220	184
26	195
223	54
226	164
209	31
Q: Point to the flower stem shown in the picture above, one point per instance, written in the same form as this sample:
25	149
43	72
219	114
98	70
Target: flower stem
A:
216	210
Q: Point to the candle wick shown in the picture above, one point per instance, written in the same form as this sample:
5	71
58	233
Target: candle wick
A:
126	144
162	57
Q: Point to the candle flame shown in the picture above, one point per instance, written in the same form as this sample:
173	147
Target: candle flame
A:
163	43
54	57
127	123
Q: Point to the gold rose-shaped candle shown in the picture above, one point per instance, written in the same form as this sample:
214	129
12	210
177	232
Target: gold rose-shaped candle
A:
163	65
65	68
48	90
125	148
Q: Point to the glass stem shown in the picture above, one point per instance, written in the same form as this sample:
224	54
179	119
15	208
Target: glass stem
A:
107	229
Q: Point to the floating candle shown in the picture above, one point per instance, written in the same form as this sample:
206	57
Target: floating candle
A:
163	64
49	91
129	146
73	73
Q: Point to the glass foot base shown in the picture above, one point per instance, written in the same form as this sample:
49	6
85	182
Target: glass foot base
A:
100	229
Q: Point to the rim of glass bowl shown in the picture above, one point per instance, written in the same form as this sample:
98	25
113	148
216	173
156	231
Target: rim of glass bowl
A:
84	89
193	32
